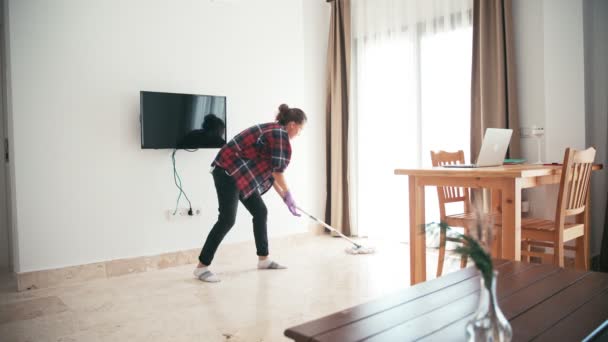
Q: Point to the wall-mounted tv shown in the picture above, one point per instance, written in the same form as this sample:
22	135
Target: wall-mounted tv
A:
182	121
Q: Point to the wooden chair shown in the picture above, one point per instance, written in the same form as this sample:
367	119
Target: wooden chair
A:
445	195
571	201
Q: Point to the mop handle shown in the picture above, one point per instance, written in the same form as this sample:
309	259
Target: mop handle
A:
328	226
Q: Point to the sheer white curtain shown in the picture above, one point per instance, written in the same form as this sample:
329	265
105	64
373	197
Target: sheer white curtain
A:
411	94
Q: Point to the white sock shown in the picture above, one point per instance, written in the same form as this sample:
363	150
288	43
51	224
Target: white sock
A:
270	265
204	274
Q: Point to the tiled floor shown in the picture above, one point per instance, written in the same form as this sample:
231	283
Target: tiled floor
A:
248	305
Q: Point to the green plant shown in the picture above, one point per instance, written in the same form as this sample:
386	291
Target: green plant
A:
473	248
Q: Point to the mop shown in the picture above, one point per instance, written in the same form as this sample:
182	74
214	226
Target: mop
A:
357	249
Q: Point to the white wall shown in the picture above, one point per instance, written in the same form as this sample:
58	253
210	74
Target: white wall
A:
529	34
550	69
310	166
549	42
84	190
564	77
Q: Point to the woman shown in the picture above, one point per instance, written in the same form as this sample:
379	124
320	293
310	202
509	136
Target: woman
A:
243	170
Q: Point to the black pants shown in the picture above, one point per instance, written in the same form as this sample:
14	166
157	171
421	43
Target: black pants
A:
228	201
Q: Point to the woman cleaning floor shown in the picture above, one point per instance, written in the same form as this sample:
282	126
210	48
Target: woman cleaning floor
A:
243	170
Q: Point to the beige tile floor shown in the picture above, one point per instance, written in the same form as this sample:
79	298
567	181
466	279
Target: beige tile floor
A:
248	305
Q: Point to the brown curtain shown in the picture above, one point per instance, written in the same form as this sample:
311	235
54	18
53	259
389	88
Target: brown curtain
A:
338	67
604	249
493	87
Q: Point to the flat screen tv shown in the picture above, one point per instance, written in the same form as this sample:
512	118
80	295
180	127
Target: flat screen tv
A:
182	121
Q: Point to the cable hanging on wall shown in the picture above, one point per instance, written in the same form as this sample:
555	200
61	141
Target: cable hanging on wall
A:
178	184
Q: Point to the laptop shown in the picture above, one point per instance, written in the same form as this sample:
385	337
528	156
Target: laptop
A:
493	149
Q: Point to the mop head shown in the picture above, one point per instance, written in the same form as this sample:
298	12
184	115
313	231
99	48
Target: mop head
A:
360	250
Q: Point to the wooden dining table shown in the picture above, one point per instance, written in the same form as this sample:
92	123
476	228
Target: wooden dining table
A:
541	303
505	182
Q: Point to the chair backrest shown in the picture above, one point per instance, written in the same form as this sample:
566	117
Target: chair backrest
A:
574	183
450	194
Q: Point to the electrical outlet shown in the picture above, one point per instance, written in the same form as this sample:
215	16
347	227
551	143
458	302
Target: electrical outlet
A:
182	212
532	132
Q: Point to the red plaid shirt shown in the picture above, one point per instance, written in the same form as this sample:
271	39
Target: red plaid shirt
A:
253	155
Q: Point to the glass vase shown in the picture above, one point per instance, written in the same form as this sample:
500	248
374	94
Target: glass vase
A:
488	322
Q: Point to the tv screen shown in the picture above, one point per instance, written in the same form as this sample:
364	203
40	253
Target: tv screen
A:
182	121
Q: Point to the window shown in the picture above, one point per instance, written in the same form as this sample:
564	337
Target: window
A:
410	95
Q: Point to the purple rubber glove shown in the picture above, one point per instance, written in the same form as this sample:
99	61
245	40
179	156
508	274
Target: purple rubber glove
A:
291	204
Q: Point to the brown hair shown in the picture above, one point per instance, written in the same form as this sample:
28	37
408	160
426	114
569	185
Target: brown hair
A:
287	115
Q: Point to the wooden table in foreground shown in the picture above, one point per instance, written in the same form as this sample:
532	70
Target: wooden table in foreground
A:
506	183
542	302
